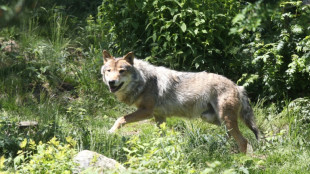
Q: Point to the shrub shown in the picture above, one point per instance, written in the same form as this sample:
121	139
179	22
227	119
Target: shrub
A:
276	37
51	157
267	42
186	35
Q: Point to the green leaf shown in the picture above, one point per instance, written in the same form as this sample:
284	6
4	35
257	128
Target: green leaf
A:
154	37
297	29
18	160
237	18
23	143
175	17
196	65
2	159
183	26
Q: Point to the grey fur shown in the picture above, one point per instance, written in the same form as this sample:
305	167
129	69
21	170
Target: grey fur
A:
212	97
175	96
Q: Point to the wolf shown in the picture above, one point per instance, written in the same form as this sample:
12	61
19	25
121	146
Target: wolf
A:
160	92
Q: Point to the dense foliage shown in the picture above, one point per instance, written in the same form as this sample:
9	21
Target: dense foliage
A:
50	157
184	35
276	37
264	44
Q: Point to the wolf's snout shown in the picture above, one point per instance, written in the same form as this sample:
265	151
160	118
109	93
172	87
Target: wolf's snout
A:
112	83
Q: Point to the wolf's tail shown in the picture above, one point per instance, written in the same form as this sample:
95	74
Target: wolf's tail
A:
247	114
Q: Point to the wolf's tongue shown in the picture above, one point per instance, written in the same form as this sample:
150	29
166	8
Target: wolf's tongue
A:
112	88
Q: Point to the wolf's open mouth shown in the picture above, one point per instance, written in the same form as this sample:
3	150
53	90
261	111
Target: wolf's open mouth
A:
114	88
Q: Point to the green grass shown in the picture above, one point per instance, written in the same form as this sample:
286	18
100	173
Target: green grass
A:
55	80
197	144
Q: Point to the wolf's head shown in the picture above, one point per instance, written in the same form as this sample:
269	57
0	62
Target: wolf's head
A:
117	72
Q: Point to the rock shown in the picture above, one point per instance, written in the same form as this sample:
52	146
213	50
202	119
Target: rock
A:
94	162
26	124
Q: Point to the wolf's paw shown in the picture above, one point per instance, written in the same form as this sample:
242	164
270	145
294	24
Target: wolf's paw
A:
111	131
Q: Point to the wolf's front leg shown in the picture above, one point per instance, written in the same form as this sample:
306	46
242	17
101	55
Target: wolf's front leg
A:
140	114
118	123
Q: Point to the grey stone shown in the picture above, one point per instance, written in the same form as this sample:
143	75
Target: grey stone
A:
28	123
92	161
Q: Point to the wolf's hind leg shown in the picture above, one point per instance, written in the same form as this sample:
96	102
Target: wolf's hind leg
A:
229	117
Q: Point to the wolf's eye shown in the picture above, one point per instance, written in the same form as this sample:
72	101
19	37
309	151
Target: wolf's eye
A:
121	71
109	70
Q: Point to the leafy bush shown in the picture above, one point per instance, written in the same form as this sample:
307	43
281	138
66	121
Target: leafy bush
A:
187	35
52	157
267	42
276	38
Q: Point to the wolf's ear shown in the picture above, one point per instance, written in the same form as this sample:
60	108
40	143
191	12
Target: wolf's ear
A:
106	56
129	57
